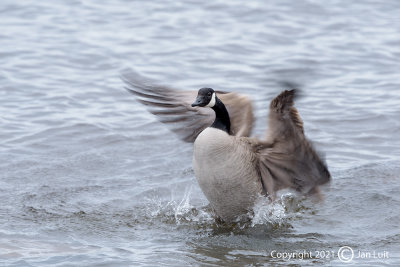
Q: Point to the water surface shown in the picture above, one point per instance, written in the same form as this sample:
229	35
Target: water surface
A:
88	177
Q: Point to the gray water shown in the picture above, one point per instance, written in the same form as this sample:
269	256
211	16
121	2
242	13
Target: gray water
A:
89	177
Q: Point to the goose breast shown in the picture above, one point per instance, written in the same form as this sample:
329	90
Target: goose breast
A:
225	170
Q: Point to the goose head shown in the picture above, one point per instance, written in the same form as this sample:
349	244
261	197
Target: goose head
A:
205	98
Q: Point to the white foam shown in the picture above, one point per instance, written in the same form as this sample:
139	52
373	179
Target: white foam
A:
274	212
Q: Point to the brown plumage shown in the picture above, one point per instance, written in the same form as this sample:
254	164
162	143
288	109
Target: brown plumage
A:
173	108
234	169
287	158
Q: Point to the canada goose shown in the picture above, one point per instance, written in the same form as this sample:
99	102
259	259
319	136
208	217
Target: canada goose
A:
232	169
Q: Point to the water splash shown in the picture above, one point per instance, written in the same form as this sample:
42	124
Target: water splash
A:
277	212
177	211
184	206
186	213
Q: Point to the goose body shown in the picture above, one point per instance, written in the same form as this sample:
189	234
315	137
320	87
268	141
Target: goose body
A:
225	168
231	168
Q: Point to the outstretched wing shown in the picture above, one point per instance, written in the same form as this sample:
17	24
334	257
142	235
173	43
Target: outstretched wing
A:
173	107
286	157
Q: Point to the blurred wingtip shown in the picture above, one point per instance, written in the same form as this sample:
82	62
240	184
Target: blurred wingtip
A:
292	86
128	75
289	85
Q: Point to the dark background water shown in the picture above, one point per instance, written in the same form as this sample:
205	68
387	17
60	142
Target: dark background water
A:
88	177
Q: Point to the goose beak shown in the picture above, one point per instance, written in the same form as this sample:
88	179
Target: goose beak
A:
198	102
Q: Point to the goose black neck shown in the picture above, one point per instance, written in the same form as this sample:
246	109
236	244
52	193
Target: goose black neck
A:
222	120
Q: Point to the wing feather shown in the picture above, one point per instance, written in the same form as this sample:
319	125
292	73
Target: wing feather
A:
286	157
173	107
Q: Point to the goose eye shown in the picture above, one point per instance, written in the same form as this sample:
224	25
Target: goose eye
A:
209	93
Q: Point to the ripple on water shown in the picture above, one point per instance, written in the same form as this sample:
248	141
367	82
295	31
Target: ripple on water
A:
87	176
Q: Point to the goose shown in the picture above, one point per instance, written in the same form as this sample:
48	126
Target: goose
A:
233	169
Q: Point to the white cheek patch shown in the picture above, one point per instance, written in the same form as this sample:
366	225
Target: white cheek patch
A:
212	101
